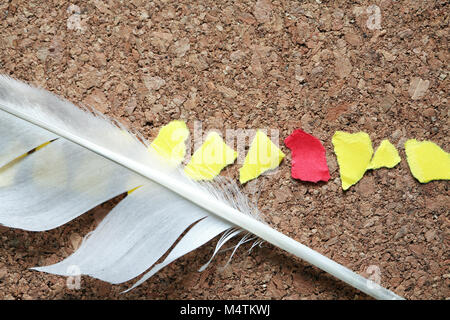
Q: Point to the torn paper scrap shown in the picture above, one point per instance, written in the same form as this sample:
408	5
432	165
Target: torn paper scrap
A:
353	152
170	143
208	160
262	156
427	161
385	156
309	162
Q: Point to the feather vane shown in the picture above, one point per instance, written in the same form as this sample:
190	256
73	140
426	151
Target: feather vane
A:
94	159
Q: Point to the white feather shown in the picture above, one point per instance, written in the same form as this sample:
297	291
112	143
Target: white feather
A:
146	223
57	184
72	179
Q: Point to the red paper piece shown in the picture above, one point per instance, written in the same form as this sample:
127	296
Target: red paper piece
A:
309	162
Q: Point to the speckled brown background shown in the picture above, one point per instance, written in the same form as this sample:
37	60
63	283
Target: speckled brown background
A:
245	64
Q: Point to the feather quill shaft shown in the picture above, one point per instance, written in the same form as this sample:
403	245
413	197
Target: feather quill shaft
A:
212	205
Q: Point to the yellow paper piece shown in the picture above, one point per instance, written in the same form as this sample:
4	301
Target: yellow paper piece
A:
353	152
385	156
83	182
170	142
210	158
427	161
262	156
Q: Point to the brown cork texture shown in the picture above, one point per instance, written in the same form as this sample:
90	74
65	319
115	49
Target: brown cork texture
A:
374	66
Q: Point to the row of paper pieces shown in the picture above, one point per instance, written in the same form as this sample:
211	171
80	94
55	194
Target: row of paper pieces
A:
354	152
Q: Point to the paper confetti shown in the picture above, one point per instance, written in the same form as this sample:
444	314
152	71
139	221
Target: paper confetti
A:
309	161
210	158
385	156
262	156
170	142
353	152
427	161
